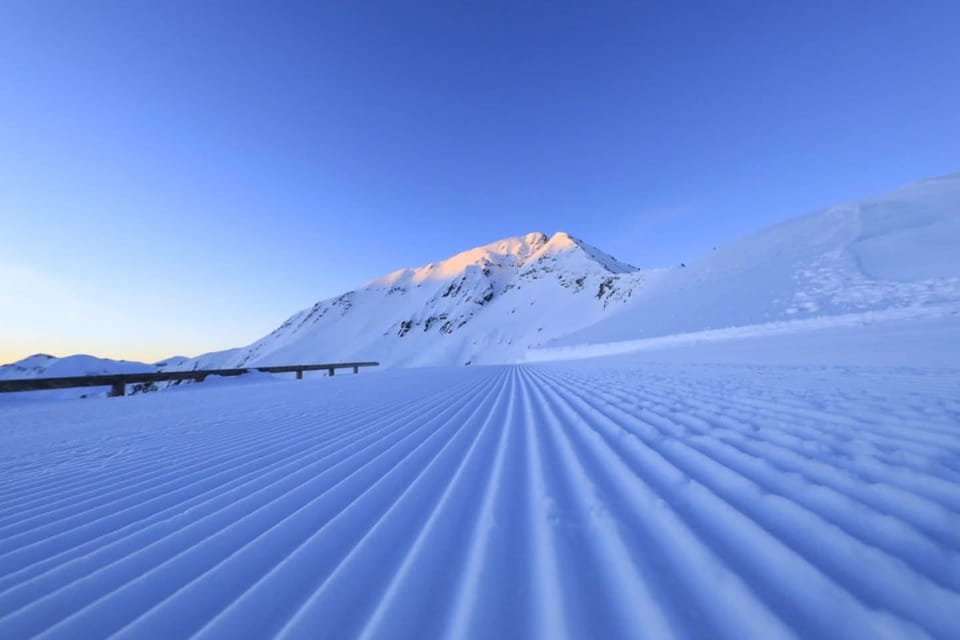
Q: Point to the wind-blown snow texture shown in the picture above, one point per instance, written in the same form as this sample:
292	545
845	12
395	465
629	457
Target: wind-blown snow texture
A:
604	499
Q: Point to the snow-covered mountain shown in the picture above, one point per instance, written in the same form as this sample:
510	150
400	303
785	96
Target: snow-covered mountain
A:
41	365
899	252
488	304
495	302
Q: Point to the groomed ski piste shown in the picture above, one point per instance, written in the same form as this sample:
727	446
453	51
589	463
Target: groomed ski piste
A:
626	496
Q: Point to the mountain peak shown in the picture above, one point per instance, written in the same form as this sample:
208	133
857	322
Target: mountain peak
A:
515	252
562	243
486	304
512	251
562	239
517	246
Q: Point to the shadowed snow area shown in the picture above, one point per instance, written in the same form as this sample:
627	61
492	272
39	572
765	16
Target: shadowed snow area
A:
602	498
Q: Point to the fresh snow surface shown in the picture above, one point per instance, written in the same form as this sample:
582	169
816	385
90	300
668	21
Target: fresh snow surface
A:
603	498
762	444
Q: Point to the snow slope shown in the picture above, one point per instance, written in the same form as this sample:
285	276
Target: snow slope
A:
930	335
488	304
607	498
896	252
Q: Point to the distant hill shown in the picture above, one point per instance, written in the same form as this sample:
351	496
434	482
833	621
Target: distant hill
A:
42	365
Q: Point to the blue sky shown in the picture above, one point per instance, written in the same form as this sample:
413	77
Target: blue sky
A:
179	177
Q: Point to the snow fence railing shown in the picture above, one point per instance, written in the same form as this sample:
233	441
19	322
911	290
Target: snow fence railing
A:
119	381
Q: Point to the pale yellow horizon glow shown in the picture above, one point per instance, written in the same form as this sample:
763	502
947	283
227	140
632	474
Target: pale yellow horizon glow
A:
40	313
10	353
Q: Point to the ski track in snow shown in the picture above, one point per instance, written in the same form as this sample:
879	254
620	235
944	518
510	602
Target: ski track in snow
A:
600	499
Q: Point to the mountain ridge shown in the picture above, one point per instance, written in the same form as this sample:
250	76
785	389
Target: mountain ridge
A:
437	299
469	301
496	301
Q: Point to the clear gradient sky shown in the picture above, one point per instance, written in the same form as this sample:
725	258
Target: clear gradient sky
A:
181	176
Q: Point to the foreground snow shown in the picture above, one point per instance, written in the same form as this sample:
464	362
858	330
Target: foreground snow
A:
602	498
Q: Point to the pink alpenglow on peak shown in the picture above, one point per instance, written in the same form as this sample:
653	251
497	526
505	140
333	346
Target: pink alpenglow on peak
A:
485	305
